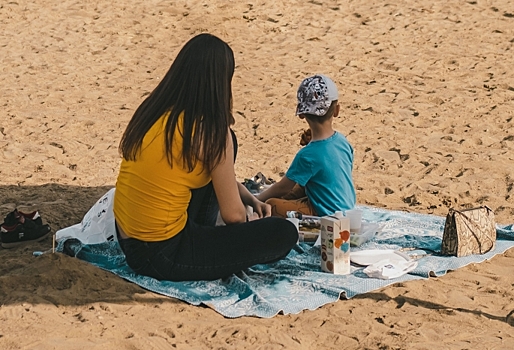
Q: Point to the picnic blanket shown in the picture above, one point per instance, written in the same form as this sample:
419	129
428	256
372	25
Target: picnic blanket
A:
297	283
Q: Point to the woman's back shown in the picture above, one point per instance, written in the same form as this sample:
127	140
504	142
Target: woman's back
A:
151	197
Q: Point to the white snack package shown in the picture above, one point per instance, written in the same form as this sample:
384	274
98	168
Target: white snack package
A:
387	269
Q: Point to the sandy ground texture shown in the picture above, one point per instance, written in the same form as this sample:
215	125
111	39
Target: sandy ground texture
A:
427	100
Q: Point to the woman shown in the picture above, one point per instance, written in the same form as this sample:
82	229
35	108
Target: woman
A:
177	171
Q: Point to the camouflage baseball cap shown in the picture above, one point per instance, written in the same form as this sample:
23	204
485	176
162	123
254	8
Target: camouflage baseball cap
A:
315	95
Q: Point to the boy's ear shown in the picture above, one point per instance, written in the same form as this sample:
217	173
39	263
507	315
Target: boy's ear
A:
301	116
336	111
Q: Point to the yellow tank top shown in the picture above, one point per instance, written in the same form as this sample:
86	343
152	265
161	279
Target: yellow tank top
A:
151	198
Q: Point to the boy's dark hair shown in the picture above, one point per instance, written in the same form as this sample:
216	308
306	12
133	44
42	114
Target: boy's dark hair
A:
197	84
323	118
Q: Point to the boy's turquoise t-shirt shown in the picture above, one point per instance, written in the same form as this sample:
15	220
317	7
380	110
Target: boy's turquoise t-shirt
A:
324	168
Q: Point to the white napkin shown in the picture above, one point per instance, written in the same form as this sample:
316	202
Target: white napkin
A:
387	269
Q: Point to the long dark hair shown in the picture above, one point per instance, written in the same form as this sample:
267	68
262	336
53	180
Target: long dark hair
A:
198	84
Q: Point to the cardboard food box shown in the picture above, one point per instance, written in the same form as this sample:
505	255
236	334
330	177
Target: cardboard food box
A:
335	245
310	228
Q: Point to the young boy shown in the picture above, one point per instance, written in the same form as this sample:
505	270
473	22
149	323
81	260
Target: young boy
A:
319	180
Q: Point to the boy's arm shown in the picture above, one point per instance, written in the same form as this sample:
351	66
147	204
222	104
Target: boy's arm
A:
277	190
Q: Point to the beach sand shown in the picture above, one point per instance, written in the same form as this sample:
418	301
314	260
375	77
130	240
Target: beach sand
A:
427	101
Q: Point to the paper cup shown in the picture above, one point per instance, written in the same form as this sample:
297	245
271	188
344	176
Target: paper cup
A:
355	216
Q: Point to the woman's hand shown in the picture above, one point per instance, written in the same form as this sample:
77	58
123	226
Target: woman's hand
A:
262	210
253	216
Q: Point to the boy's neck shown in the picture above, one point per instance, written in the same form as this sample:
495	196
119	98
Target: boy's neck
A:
321	131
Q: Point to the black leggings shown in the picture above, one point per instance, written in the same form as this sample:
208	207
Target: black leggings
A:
211	252
202	251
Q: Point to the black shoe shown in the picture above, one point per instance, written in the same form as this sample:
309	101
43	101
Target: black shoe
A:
252	186
263	180
258	183
18	217
20	233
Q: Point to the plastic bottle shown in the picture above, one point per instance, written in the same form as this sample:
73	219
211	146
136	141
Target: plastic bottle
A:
298	215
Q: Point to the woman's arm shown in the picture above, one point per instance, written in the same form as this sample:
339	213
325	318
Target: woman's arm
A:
232	209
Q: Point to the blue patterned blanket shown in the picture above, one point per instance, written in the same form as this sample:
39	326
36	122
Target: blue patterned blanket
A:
297	283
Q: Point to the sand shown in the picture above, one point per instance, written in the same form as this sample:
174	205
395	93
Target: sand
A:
427	101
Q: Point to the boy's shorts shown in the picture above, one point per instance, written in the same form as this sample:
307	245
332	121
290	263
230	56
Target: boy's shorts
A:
280	207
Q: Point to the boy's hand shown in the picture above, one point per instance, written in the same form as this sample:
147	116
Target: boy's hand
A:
305	137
